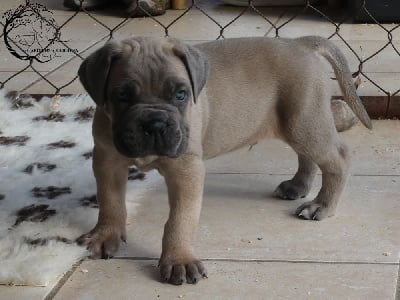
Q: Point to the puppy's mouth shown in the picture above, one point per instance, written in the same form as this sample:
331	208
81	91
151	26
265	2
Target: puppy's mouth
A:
151	133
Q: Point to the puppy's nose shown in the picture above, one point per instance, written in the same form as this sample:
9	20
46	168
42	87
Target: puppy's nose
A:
159	125
155	127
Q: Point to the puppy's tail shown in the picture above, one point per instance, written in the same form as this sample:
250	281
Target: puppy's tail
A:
339	64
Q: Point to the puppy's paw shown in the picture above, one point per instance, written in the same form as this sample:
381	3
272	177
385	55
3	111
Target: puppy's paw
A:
103	241
289	190
177	271
313	211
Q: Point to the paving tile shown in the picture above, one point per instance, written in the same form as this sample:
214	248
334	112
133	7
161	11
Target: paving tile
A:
72	35
313	24
68	81
378	84
8	62
18	82
375	152
373	83
9	4
241	220
69	84
74	40
369	32
386	61
64	76
206	29
130	279
23	292
385	81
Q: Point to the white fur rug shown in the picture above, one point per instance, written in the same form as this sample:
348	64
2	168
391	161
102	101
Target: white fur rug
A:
47	187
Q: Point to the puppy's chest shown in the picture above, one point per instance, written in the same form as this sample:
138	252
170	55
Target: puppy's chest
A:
144	163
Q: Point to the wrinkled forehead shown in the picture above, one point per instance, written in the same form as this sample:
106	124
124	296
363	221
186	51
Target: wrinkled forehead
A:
149	62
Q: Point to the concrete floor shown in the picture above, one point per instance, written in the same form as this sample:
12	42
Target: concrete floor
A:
252	244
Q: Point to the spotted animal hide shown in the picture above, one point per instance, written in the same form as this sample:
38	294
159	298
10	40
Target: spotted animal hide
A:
47	188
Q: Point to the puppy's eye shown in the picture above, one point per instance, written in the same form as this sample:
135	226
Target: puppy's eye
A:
180	95
123	95
126	92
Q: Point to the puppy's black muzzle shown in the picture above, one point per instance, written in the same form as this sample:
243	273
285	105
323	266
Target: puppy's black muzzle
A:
145	130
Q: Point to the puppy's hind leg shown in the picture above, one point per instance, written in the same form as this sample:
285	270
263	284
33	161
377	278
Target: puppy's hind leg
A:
322	146
308	126
299	186
334	166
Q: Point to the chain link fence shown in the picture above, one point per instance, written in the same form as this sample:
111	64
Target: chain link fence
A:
34	37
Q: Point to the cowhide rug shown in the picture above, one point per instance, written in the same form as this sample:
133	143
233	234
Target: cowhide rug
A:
47	188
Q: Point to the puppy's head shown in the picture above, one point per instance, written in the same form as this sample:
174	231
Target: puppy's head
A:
145	87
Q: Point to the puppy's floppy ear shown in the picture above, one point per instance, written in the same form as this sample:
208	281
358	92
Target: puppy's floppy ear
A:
94	70
196	64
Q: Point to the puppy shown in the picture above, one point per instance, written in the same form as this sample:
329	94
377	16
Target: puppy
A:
165	105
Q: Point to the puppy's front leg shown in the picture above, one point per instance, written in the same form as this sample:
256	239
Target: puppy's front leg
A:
111	172
184	177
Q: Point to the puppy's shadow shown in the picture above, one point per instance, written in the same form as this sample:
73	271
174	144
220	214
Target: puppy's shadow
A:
257	190
235	186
